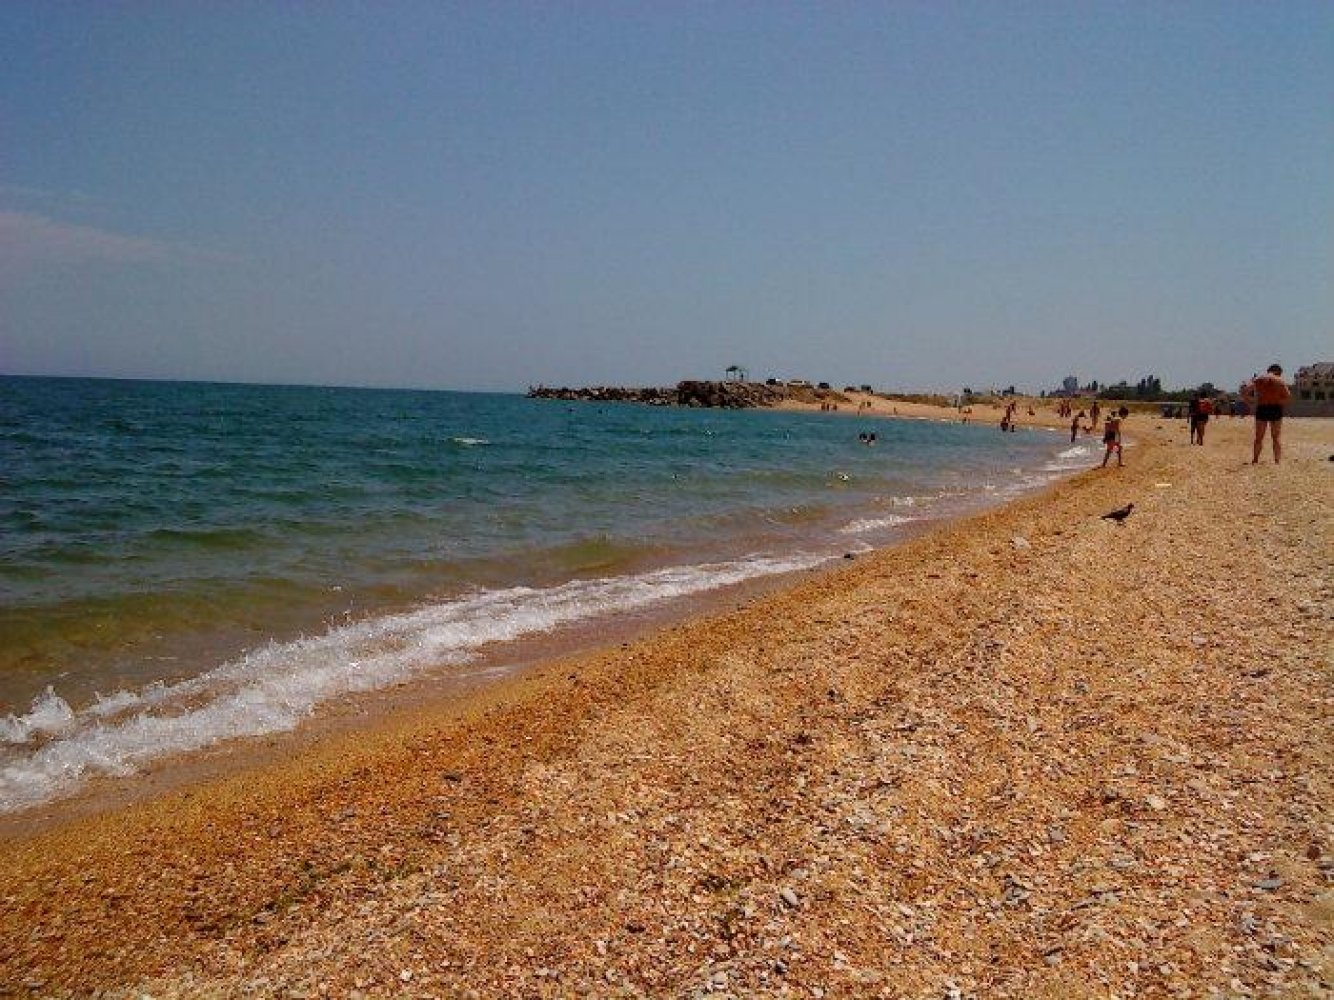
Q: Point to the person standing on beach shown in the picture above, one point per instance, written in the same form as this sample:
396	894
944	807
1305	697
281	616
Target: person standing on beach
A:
1204	408
1267	395
1111	436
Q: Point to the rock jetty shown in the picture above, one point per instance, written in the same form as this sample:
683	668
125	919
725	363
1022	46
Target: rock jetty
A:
724	395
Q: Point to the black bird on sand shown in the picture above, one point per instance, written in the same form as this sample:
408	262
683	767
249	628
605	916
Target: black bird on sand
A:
1120	514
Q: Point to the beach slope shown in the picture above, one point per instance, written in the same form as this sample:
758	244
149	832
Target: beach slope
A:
1036	753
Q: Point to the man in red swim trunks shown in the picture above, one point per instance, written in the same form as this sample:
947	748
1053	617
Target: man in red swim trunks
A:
1267	394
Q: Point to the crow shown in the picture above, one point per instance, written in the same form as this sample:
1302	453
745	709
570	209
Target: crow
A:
1120	514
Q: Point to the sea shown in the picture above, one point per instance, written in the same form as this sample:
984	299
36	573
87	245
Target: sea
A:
184	564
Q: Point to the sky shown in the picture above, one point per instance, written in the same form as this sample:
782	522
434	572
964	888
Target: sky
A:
488	195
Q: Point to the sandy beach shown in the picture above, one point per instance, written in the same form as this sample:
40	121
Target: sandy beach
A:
1035	753
1031	411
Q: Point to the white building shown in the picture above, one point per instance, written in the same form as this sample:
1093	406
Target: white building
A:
1313	391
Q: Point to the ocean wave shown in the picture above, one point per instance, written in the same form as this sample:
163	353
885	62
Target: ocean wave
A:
469	442
1068	459
866	524
54	749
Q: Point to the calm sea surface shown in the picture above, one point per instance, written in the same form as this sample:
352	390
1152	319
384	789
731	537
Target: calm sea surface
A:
182	563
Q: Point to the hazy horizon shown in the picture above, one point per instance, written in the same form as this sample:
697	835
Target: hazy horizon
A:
447	196
977	388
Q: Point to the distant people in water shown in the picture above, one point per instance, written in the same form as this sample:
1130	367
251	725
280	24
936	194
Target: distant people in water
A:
1111	436
1267	395
866	438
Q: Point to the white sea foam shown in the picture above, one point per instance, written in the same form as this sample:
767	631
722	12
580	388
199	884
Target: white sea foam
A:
1069	459
867	524
469	442
54	749
50	715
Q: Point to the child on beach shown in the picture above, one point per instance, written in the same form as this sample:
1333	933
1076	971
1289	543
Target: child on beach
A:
1078	425
1111	435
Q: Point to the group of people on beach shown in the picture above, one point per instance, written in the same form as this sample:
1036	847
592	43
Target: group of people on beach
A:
1010	421
1265	396
1111	432
1077	424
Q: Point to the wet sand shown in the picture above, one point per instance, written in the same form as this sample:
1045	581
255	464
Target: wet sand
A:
1035	753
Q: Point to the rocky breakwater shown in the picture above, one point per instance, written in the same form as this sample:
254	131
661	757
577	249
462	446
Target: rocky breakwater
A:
723	395
607	394
729	395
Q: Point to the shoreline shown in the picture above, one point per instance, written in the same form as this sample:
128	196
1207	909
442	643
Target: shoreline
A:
936	727
445	689
343	718
825	541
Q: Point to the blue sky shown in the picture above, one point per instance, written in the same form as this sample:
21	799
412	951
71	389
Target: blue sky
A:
487	195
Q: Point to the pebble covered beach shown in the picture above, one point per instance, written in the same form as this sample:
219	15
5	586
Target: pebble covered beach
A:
1033	753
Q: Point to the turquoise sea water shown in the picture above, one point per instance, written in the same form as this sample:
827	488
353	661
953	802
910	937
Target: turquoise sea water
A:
182	563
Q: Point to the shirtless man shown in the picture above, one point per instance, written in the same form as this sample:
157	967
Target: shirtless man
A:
1267	394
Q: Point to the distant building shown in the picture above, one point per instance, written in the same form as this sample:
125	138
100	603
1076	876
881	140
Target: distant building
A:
1313	391
1069	385
1315	382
